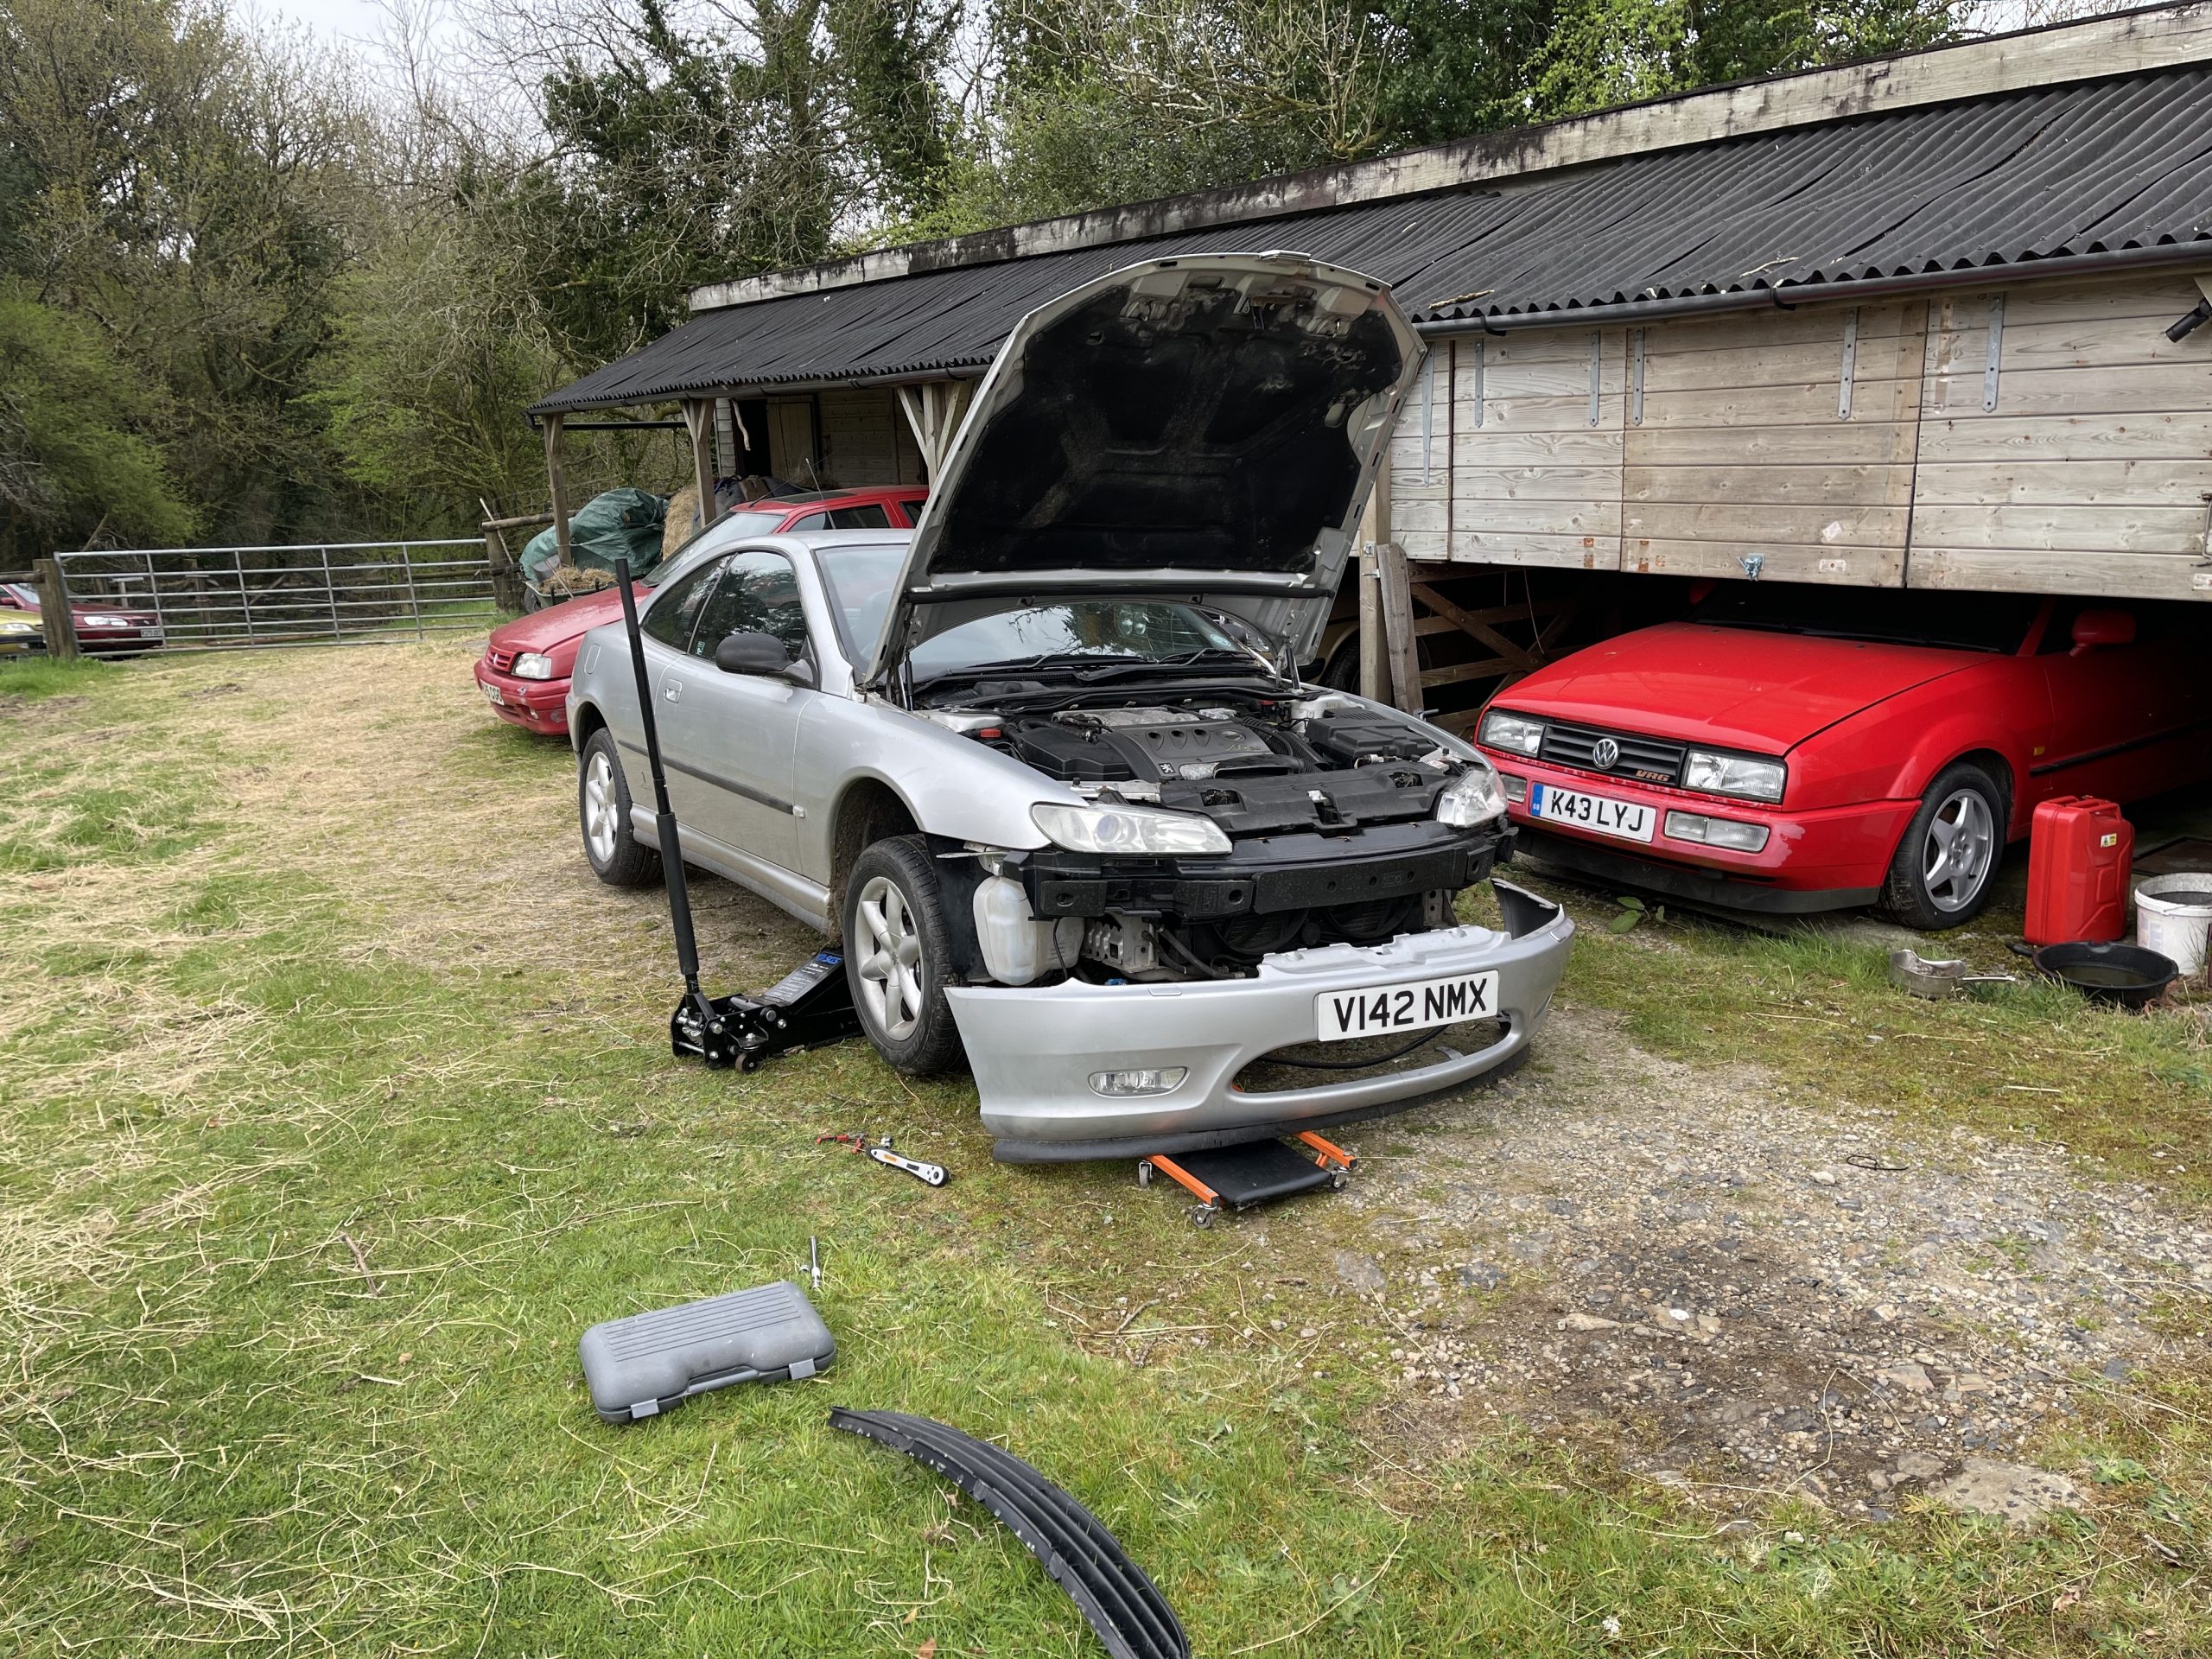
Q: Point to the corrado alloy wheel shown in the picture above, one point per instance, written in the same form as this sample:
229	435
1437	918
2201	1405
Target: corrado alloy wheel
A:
1959	851
1945	865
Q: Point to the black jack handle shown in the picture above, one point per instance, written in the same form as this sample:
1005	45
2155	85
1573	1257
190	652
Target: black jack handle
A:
664	830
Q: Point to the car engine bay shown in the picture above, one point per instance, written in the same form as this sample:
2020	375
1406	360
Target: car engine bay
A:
1329	808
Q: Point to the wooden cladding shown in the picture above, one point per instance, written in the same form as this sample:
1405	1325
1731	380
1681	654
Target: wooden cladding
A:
2056	441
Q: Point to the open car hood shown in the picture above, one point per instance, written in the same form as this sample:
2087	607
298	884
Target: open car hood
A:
1204	429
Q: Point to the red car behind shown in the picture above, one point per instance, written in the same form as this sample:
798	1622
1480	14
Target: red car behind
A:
102	629
526	662
1802	749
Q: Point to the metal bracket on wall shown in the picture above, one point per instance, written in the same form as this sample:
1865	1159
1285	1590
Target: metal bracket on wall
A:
1597	368
1996	352
1635	377
1752	564
1850	363
1429	418
1480	346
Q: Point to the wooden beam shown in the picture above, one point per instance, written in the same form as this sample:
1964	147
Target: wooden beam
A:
699	422
1374	528
1468	622
933	412
1400	645
1455	672
55	619
556	481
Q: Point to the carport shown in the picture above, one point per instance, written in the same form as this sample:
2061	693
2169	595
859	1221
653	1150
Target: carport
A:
1924	323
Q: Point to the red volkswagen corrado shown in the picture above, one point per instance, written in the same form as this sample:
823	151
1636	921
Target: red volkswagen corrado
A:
1799	748
526	662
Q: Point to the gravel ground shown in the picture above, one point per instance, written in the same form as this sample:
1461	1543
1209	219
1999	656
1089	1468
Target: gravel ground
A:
1737	1286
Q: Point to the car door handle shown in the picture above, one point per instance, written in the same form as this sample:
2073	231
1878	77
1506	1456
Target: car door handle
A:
671	690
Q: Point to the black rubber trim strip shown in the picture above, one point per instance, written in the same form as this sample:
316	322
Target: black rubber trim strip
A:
2111	749
716	779
1123	1606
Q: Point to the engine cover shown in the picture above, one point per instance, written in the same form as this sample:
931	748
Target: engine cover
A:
1182	743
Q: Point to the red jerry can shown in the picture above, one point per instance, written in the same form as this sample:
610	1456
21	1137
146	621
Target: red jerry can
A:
2079	850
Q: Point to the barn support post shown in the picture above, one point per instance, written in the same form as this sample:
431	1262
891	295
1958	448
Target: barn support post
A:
1400	645
699	422
55	619
933	412
557	483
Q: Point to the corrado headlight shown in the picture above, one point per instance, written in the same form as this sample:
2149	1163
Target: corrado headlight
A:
1473	797
533	665
1128	829
1734	774
1516	733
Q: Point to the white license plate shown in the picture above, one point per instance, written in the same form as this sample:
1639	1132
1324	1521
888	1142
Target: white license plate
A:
1380	1009
493	692
1608	816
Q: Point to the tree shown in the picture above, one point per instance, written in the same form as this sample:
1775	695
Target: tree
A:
74	465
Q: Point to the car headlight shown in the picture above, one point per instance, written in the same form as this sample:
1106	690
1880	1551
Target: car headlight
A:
1518	733
533	665
1124	829
1734	774
101	622
14	625
1474	796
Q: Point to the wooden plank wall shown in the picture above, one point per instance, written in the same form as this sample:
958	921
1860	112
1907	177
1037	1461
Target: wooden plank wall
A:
2090	475
1498	459
865	439
1744	451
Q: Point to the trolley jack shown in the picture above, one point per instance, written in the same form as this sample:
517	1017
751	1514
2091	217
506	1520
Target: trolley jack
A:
1236	1178
811	1005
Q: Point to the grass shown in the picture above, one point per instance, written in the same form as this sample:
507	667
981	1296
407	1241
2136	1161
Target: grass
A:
333	1105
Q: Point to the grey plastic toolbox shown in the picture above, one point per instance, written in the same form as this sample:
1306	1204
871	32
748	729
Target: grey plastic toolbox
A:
642	1366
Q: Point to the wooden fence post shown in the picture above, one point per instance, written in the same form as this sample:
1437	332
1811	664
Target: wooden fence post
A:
54	612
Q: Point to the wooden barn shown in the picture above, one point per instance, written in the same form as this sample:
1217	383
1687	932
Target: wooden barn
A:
1924	323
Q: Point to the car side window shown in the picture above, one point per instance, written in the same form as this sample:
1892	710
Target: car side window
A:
758	594
871	517
812	521
674	613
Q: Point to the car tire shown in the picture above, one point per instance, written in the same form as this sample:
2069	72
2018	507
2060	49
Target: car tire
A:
1945	867
898	951
616	855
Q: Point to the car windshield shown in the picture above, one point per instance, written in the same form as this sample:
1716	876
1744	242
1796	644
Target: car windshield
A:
1993	622
1104	632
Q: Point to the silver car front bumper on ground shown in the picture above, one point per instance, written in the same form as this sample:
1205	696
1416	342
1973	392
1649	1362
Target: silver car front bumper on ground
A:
1035	1048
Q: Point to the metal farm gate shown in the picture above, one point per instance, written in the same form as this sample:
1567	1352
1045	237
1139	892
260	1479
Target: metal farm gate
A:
342	594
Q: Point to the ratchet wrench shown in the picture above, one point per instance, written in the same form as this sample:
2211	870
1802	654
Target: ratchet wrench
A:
933	1174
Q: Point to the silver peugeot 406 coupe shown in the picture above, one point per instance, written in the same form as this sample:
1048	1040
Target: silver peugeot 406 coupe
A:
1044	767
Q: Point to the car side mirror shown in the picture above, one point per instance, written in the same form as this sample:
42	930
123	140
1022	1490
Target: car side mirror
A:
751	652
2096	628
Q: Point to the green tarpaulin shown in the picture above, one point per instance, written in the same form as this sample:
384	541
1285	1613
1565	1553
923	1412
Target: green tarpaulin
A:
621	524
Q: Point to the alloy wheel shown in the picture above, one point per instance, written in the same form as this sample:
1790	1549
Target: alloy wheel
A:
603	808
1960	851
891	959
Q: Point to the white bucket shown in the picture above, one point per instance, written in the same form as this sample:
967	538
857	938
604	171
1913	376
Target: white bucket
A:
2173	915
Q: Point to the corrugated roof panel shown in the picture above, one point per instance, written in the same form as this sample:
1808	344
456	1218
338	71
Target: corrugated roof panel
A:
2094	167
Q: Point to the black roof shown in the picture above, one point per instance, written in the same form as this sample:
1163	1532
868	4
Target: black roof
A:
2093	168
